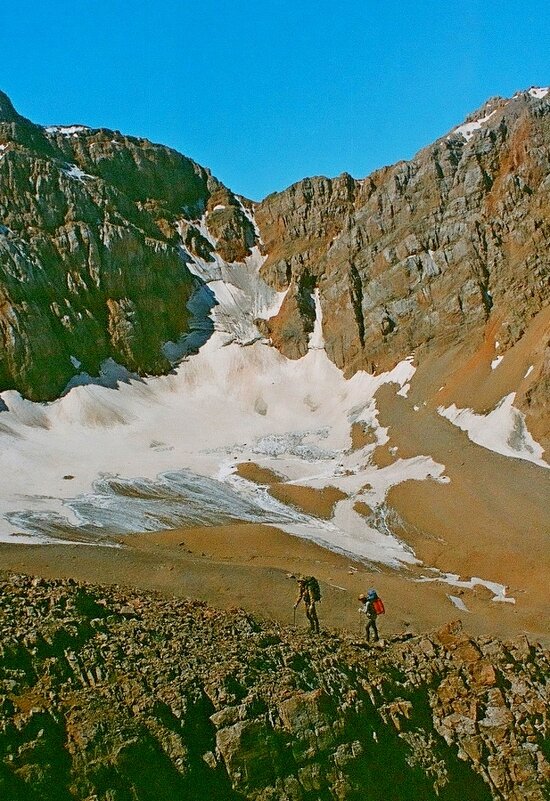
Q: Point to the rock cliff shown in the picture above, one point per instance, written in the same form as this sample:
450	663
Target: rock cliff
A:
110	694
95	230
426	253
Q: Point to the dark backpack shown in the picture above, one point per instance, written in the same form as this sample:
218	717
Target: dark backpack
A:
313	586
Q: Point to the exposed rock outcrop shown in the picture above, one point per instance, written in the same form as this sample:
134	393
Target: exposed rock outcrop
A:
96	227
111	694
426	252
91	262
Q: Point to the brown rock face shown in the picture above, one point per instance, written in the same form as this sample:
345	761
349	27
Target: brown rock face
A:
91	265
426	251
95	229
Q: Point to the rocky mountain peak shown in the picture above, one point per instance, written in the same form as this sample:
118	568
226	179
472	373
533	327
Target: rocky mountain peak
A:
7	111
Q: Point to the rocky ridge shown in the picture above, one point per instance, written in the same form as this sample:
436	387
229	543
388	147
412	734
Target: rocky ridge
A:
426	249
441	250
96	229
110	694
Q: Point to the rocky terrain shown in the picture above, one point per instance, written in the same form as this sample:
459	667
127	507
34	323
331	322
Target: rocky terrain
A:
444	249
109	694
93	231
97	230
321	355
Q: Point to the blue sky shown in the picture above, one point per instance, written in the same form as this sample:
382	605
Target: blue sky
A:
265	93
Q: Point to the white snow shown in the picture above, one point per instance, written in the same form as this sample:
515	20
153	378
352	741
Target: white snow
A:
202	226
404	391
75	172
539	91
468	129
66	130
458	602
498	590
503	430
495	363
529	371
316	341
218	207
162	451
173	441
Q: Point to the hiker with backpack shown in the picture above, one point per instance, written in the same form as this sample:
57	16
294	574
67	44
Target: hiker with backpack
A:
372	607
309	593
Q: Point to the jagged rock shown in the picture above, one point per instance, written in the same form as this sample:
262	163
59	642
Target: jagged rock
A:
425	252
168	698
97	228
91	262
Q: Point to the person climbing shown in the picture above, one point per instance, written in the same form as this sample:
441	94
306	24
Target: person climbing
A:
309	593
372	607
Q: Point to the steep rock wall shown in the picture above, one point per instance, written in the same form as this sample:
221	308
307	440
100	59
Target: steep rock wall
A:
91	262
426	251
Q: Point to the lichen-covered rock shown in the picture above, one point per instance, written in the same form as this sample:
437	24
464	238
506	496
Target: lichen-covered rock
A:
112	694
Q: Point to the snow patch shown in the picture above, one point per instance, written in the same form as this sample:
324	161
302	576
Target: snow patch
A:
539	91
495	363
529	371
498	590
316	340
458	602
468	129
66	130
75	172
503	430
161	452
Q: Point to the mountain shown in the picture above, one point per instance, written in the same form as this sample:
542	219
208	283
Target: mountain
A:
361	363
448	248
445	250
91	244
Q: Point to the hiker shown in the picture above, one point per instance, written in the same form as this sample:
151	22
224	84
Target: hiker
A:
310	593
372	607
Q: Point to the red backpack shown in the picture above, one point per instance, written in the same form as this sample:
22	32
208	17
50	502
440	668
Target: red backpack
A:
378	606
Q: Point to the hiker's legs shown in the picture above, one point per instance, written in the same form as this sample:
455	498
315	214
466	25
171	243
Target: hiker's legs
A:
311	613
371	625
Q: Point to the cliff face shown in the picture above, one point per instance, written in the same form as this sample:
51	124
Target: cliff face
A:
92	265
96	228
109	694
426	252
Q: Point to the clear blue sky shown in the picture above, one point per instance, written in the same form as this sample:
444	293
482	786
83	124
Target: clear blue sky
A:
265	93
